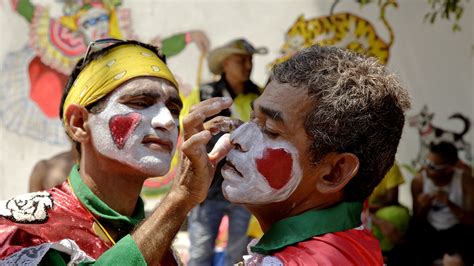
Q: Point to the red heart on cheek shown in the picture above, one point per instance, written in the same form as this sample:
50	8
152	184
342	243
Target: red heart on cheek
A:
122	126
275	165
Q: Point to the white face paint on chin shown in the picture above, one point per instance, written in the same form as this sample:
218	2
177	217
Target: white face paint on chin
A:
141	138
268	170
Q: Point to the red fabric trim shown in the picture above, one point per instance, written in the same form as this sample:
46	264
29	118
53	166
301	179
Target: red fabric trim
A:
350	247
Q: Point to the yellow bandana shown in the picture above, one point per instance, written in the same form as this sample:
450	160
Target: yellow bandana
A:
105	74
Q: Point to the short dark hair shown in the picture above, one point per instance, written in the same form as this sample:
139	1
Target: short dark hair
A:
446	150
358	107
98	106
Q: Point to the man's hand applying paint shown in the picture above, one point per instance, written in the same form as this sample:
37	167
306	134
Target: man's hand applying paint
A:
223	145
197	166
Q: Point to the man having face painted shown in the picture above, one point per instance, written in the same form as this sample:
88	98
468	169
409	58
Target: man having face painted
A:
121	108
322	135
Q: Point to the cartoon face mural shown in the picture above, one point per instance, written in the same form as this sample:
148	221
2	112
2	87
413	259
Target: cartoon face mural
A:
139	125
260	170
94	24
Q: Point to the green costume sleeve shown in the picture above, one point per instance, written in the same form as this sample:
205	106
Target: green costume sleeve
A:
125	252
173	45
26	9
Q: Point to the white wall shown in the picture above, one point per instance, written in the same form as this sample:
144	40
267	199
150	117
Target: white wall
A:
435	64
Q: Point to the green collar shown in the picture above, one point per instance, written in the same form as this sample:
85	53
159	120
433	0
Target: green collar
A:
98	207
291	230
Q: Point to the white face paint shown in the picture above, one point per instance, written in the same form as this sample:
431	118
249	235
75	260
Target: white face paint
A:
139	131
268	170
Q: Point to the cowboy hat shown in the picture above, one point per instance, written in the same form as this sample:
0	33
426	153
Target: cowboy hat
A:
239	46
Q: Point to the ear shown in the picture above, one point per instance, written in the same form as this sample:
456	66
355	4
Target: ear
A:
77	127
343	167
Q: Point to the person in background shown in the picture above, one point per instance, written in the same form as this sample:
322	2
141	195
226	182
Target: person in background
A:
388	219
52	172
233	62
443	208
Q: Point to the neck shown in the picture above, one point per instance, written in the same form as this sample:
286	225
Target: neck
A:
271	213
102	179
236	86
441	182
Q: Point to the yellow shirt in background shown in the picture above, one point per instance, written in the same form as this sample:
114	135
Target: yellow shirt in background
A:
392	179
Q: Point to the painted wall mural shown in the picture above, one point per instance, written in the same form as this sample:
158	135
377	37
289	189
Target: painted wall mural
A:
342	29
32	79
429	133
43	38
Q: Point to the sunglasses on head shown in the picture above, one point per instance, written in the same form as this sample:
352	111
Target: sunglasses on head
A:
95	43
434	167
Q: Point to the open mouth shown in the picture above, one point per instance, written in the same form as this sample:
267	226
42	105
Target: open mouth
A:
155	143
229	166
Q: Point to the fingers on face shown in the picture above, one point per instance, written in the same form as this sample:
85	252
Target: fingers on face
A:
193	122
222	124
211	105
221	149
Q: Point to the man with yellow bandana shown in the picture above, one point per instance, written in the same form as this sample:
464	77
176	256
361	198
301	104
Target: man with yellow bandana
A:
121	108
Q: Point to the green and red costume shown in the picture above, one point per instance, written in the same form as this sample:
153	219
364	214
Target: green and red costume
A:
331	236
60	225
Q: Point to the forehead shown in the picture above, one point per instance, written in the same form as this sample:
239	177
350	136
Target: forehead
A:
237	57
292	102
435	158
145	86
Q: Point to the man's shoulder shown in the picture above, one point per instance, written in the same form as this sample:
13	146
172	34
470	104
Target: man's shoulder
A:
30	208
338	248
22	219
36	208
47	217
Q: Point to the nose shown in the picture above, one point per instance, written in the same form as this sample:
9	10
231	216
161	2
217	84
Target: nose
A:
245	136
163	120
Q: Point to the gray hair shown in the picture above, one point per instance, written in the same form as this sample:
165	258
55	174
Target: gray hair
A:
358	107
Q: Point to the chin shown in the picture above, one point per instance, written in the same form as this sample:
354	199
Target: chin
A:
231	193
234	199
157	170
151	169
245	195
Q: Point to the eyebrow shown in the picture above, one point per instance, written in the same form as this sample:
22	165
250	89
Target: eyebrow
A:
272	114
154	94
145	93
